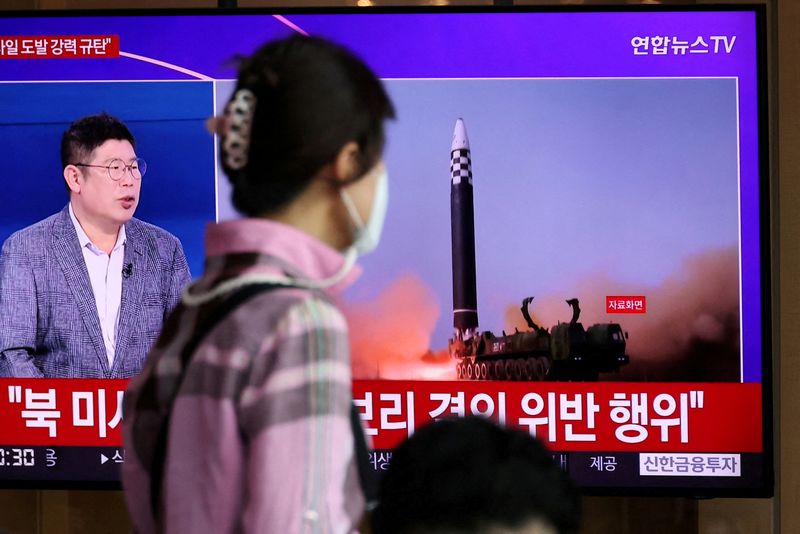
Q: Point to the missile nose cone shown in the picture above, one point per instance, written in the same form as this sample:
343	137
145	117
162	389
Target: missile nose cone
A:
460	140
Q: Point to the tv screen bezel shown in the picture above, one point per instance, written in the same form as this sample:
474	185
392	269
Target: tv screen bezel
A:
767	186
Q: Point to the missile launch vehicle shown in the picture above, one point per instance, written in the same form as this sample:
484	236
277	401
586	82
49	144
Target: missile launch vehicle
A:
567	351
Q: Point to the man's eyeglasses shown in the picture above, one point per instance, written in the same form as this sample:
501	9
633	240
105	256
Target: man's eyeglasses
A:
116	168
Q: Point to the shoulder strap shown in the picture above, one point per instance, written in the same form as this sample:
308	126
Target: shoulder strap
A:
202	329
367	478
366	475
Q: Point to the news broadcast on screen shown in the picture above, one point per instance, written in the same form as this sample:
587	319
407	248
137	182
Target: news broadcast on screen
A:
577	241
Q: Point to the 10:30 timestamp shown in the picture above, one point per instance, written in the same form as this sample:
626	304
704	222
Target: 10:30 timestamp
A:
15	457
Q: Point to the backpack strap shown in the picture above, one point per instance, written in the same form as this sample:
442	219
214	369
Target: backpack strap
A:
216	315
366	475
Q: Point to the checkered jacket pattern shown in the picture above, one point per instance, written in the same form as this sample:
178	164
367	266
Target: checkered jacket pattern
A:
260	423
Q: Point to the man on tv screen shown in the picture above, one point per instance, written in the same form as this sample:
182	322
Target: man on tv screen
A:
84	292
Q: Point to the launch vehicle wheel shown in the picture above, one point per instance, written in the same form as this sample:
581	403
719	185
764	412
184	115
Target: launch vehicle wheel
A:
459	371
484	371
536	368
545	363
470	371
518	369
498	371
540	364
509	367
528	368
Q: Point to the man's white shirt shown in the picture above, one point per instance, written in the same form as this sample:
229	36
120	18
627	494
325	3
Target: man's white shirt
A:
105	275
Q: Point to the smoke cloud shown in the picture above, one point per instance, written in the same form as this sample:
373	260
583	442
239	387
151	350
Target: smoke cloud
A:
689	333
690	330
390	337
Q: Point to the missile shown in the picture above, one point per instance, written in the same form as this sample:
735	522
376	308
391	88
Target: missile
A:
462	226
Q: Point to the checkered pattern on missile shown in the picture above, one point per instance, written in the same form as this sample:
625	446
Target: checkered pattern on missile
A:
460	165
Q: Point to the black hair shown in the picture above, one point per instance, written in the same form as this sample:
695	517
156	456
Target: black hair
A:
470	475
312	97
88	133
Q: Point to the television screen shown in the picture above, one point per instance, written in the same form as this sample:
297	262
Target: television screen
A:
577	241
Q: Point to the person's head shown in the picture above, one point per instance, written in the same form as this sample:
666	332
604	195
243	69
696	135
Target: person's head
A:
459	476
101	170
305	123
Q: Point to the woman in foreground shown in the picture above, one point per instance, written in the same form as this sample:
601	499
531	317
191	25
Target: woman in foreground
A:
242	420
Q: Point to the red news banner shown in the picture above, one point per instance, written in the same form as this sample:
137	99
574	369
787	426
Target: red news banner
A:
572	416
626	304
58	46
577	416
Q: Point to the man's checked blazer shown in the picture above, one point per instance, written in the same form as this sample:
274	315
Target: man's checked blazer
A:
49	325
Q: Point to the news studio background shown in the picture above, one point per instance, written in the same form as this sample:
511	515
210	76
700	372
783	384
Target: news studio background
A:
614	160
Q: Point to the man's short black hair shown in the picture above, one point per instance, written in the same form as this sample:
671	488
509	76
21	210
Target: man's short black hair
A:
88	133
470	475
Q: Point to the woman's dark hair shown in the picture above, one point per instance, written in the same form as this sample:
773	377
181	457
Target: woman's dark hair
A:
470	475
312	97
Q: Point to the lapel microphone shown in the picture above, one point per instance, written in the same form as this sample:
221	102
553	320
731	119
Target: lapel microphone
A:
127	271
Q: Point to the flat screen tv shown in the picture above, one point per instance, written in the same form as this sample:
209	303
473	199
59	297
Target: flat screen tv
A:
595	269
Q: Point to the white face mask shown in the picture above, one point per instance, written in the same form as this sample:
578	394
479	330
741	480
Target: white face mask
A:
366	239
368	235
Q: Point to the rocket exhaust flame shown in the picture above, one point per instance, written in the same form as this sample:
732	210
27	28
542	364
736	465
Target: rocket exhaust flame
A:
392	339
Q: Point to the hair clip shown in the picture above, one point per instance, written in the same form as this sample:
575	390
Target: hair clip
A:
238	121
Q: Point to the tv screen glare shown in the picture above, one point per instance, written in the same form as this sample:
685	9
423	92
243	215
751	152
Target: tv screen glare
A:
577	241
